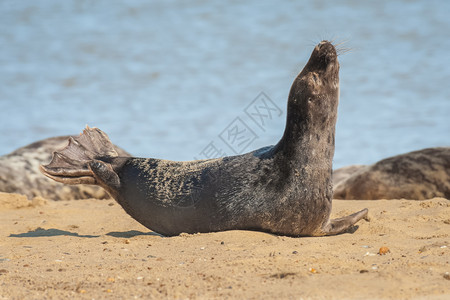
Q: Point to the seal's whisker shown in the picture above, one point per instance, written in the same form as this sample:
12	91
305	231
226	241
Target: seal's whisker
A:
311	43
333	38
340	43
341	51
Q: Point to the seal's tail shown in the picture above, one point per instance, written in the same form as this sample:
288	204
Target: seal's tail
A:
73	164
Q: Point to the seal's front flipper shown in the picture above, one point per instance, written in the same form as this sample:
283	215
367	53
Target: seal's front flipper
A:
341	225
72	165
104	175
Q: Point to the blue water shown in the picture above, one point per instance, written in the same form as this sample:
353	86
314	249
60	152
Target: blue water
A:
166	78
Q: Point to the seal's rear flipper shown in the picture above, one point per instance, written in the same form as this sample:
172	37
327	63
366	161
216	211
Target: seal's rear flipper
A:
78	162
341	225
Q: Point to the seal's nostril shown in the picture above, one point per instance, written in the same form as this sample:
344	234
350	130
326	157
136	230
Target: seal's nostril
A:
321	44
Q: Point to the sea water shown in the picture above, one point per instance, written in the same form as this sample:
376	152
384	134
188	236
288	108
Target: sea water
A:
185	80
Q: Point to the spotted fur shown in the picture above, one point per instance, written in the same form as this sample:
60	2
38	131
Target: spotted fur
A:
419	175
19	173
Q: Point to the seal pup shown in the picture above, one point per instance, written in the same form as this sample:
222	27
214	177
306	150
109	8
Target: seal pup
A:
417	175
285	189
19	173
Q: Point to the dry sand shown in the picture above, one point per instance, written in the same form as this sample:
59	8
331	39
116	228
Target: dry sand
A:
91	249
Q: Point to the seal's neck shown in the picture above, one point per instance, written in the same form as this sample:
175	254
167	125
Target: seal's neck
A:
308	139
303	144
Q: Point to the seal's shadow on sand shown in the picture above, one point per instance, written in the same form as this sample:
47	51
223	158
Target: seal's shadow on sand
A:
41	232
352	229
131	233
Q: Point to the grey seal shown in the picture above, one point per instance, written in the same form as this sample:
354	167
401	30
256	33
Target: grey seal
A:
19	173
285	189
341	174
416	175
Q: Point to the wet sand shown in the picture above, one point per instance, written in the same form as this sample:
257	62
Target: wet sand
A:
91	249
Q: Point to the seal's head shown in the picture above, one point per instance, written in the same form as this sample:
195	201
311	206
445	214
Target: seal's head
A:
314	95
324	58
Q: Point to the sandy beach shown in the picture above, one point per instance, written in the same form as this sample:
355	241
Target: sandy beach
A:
91	249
